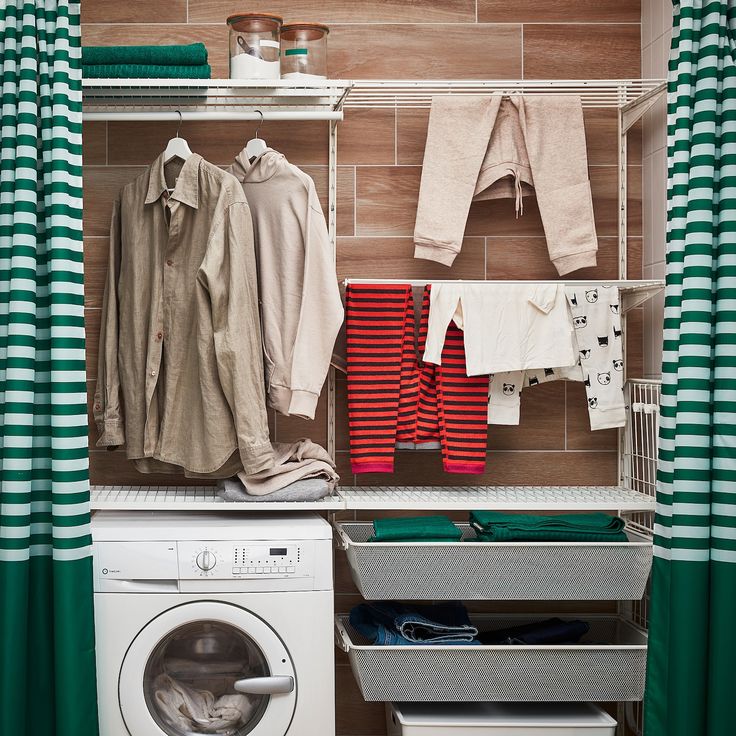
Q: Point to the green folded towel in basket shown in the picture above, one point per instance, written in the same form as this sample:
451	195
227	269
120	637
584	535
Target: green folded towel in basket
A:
193	54
495	526
145	71
415	529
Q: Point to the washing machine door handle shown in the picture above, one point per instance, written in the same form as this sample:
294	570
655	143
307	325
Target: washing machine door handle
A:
265	685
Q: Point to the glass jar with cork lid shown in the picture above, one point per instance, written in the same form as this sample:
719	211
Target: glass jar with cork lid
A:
304	51
255	43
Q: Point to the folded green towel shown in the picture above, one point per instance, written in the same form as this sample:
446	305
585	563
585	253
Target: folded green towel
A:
193	54
145	71
495	526
415	529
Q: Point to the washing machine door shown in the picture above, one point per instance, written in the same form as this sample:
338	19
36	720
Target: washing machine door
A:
207	667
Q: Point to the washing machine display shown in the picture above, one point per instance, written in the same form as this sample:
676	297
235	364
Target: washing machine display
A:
207	668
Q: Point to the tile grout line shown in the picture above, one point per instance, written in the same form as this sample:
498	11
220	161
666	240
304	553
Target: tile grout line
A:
350	24
565	385
355	201
396	135
522	51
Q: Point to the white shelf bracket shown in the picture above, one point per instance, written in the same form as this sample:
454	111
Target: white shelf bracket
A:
633	111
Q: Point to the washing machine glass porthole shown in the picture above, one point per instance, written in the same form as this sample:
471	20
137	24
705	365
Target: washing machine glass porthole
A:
190	675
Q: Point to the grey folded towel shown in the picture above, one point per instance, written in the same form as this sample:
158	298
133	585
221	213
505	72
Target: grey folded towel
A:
309	489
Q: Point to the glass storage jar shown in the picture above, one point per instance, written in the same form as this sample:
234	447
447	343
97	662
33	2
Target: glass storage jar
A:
255	45
304	51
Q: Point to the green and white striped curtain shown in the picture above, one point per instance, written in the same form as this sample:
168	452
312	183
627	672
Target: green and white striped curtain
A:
691	679
47	667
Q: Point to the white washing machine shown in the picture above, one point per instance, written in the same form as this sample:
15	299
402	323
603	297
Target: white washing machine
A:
214	624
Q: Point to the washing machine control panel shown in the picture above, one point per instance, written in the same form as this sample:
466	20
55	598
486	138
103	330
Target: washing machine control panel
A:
223	560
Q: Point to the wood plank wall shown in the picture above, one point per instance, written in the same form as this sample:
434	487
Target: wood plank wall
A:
380	155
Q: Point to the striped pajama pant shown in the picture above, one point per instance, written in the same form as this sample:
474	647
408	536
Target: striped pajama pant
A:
392	397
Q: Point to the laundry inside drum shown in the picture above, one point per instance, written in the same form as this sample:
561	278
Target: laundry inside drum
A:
190	677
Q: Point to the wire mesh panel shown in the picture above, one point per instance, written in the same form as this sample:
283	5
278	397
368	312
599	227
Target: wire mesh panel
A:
608	666
468	570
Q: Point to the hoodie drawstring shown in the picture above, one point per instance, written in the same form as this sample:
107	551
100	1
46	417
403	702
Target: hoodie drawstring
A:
519	193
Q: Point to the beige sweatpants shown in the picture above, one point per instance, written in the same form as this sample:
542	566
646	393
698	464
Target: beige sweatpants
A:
483	147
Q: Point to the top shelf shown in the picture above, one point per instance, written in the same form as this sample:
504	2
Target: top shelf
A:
213	99
617	93
283	99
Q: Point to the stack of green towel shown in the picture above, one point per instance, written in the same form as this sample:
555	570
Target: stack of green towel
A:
495	526
415	529
146	62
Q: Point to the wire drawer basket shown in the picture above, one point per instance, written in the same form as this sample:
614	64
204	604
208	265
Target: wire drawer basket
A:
469	570
589	671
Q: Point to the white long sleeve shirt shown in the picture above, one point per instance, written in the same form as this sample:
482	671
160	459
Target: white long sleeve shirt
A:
508	327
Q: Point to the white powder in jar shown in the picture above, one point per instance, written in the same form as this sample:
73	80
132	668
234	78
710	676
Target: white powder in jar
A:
302	76
245	66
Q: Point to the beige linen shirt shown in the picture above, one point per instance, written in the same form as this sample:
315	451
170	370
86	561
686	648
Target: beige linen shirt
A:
180	378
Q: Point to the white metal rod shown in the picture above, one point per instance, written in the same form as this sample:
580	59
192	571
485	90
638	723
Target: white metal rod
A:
621	283
194	115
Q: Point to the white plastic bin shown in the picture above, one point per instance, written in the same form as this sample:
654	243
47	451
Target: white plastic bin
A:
498	719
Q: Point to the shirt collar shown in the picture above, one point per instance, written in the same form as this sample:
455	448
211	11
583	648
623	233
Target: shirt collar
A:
187	185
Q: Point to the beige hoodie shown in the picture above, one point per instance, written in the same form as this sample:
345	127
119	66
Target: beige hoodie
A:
301	309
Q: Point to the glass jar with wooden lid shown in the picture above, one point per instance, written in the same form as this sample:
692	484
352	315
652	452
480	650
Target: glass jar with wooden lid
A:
304	51
255	43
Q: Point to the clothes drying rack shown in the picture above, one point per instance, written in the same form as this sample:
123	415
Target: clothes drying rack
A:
329	101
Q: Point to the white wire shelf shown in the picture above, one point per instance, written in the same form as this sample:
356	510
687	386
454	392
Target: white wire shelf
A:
614	93
193	498
530	498
634	292
408	498
237	99
213	99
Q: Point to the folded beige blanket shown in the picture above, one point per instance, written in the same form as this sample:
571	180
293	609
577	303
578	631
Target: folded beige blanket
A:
293	462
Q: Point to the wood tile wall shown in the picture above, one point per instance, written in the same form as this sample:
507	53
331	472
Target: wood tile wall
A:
380	155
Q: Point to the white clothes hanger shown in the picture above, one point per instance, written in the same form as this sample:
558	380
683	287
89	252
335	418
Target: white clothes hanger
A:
256	146
177	147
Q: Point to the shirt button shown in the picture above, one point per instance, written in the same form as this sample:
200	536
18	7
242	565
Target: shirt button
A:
159	335
169	262
153	373
97	407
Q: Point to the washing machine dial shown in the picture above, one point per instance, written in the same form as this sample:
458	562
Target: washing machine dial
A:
206	560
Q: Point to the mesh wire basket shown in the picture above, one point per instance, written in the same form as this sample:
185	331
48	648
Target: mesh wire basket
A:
608	665
499	571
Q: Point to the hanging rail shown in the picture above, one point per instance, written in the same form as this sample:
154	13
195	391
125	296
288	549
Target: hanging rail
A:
634	293
623	284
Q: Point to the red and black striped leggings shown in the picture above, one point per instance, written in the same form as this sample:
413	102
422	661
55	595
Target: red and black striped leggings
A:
393	397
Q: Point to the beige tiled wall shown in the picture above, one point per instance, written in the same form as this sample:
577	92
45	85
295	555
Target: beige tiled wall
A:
656	33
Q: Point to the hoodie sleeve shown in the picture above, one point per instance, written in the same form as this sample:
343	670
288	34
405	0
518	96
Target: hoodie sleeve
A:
320	316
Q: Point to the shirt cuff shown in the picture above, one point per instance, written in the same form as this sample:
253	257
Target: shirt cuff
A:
112	433
576	261
256	458
436	253
303	404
